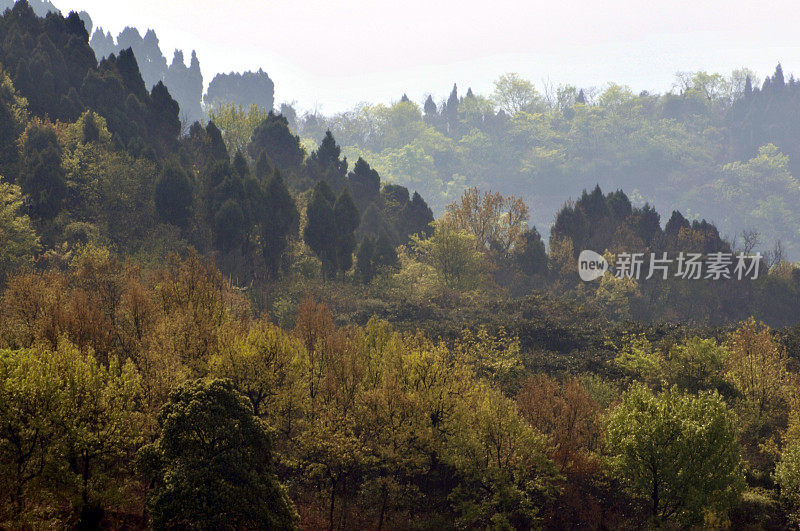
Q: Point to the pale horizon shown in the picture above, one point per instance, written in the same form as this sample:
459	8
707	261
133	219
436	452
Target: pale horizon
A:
376	52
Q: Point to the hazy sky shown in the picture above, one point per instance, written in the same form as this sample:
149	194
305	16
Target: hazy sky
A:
332	55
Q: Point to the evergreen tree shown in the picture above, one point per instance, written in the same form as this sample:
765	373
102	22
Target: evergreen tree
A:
430	107
646	223
173	194
373	221
128	68
346	220
777	78
240	165
385	254
324	163
278	222
242	89
364	184
675	224
593	205
451	111
164	112
532	260
417	216
229	226
43	177
364	267
264	167
281	146
320	226
217	147
619	205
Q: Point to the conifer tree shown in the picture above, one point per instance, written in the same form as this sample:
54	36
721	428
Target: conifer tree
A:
364	256
282	147
346	220
364	183
240	165
430	107
324	163
278	222
43	178
385	255
320	226
173	194
229	226
218	150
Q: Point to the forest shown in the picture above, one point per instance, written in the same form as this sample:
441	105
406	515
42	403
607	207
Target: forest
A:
219	313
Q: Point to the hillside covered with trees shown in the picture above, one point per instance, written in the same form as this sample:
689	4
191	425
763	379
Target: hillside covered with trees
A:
375	319
723	148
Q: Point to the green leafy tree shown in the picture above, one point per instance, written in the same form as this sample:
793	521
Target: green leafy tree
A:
28	414
787	475
100	427
212	464
237	123
69	423
13	118
453	256
678	451
514	94
506	476
18	240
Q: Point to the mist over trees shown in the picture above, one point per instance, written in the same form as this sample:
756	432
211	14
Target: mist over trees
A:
259	320
185	83
242	89
717	147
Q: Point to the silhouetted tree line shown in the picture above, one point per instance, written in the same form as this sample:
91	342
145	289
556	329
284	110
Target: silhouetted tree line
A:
243	89
185	83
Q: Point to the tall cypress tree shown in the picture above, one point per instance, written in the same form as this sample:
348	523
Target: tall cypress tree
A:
218	149
385	255
364	267
364	183
279	221
416	216
346	220
320	226
430	109
282	147
43	178
324	163
451	110
173	194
